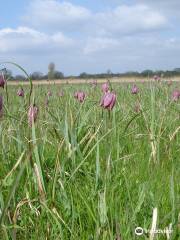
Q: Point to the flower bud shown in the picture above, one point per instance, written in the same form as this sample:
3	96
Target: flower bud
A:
105	87
108	100
2	81
20	92
32	114
175	95
134	89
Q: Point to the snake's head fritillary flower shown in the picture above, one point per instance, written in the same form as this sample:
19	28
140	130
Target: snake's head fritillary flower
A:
105	87
49	93
20	92
175	95
157	78
32	114
1	106
81	96
108	100
2	81
134	89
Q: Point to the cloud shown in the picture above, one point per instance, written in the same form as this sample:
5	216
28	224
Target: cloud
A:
24	39
98	44
137	53
55	14
168	8
130	20
123	19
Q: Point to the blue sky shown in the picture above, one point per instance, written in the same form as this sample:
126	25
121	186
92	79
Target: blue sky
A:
91	35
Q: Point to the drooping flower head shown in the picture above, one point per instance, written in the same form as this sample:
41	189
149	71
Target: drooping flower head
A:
157	78
134	89
105	87
49	93
32	114
20	92
1	106
108	100
80	96
2	81
176	95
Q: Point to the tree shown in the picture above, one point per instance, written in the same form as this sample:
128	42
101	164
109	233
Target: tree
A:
58	75
109	73
84	75
177	70
36	76
51	71
20	77
147	73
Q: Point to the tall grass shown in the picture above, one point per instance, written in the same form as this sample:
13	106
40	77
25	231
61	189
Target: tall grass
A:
79	173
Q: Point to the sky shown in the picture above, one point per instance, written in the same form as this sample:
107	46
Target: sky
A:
90	36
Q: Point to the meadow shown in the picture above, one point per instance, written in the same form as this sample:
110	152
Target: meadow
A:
84	172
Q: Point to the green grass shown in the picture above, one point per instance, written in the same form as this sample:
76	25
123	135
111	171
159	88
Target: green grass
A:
80	173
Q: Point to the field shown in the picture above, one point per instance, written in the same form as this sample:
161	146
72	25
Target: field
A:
82	172
80	81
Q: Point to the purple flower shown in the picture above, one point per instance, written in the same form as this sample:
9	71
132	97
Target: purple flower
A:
175	95
157	78
134	89
20	92
108	100
32	114
1	106
2	81
105	87
49	93
80	96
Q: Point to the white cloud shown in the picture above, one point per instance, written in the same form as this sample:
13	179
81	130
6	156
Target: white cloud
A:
55	14
130	19
24	39
98	44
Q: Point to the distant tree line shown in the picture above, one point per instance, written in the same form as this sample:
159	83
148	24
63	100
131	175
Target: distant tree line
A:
53	74
145	73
